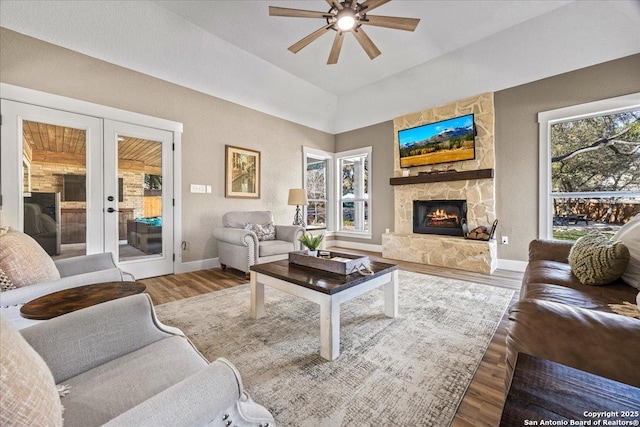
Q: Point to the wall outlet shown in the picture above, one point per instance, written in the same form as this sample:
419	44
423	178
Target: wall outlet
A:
505	240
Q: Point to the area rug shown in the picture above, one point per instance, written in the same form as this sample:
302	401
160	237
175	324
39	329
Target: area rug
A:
409	371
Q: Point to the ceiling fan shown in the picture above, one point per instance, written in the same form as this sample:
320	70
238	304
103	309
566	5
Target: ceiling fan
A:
343	17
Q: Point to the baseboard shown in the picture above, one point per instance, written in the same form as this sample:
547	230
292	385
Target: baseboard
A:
511	265
203	264
356	245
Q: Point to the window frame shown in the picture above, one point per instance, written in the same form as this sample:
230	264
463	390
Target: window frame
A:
363	234
548	118
314	153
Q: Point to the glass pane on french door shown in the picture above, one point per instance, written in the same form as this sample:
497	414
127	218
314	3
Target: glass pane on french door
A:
139	197
54	171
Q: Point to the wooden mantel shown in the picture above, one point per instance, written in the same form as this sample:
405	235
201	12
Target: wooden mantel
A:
442	176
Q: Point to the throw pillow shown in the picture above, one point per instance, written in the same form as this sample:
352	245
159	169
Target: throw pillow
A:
29	395
629	234
596	260
264	232
5	283
24	261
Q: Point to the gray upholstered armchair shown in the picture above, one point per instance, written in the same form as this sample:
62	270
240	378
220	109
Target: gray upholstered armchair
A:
42	228
117	365
241	248
31	271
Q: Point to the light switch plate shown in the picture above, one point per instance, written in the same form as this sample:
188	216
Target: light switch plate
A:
198	188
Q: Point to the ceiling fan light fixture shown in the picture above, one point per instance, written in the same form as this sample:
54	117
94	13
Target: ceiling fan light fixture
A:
346	19
346	16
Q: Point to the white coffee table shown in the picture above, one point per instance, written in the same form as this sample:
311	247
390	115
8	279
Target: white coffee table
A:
329	290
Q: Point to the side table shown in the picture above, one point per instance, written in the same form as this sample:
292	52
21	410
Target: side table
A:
543	392
72	299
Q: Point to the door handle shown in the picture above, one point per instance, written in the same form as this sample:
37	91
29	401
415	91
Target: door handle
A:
111	210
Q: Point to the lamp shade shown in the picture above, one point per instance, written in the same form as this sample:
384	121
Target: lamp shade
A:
297	197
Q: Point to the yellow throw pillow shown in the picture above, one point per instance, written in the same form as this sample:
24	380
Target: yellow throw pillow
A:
29	395
596	260
24	261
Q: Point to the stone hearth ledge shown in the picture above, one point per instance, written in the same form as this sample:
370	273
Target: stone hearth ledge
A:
443	251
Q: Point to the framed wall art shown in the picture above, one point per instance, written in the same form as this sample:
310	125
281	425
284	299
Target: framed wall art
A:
242	173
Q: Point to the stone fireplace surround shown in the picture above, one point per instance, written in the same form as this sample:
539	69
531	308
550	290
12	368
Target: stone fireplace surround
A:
447	251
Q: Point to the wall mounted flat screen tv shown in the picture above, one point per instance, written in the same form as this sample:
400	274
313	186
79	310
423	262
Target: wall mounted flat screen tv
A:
447	141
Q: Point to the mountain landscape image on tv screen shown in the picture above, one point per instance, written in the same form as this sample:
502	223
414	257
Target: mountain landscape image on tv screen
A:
442	142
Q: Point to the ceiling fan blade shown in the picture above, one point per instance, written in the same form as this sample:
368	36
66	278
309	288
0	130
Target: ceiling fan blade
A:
406	24
335	3
335	49
296	47
296	13
369	5
366	43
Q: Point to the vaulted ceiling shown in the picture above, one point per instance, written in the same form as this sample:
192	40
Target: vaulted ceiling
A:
235	51
444	27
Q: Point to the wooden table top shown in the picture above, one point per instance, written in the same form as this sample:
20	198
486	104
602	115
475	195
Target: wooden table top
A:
72	299
319	280
542	390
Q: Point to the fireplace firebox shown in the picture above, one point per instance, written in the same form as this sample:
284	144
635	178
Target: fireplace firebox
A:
443	217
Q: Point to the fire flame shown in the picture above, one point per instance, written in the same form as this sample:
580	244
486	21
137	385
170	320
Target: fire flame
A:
442	215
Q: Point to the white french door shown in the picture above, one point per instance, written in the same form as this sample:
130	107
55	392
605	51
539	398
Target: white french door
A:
138	185
81	185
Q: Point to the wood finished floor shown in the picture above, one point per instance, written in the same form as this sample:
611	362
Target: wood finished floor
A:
482	403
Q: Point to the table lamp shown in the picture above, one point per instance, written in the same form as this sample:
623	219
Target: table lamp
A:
297	198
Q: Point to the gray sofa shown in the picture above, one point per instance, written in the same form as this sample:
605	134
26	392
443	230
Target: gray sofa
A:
120	367
240	249
77	271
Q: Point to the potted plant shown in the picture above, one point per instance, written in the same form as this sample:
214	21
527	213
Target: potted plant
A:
311	242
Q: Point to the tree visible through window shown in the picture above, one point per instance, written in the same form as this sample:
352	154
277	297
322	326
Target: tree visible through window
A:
316	185
354	193
595	173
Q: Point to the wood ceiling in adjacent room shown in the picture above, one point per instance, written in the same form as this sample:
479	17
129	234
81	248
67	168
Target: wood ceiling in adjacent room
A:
66	145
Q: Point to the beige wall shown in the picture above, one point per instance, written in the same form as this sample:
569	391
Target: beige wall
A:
380	138
517	139
209	124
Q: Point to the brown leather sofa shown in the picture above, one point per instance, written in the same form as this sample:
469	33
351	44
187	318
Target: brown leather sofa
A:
560	319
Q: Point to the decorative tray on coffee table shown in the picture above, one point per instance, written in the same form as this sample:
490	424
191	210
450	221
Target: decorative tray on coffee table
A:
336	262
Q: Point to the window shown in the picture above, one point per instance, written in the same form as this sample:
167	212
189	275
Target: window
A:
338	191
317	182
590	167
353	173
